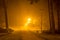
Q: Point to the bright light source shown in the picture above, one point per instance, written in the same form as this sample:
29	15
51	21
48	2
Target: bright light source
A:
29	20
26	24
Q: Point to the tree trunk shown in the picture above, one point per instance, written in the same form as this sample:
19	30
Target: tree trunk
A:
51	16
58	14
5	11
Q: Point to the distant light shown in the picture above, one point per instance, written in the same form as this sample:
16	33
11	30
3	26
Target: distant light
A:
29	20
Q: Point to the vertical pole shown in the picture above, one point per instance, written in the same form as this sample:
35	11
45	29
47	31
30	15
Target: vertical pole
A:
51	16
5	10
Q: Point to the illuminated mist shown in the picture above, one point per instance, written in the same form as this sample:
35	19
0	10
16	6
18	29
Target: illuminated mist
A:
19	11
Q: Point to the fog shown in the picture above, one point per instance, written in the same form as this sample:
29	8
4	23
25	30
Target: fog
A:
19	10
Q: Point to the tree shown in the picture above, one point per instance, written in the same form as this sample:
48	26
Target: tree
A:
51	16
58	13
5	11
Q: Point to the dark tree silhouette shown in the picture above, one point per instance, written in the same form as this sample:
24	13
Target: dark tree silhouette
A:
5	11
51	16
58	13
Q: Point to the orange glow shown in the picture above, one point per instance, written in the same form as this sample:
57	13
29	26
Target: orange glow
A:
29	20
26	24
29	25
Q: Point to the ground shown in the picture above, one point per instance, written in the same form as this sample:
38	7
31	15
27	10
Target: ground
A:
47	36
20	35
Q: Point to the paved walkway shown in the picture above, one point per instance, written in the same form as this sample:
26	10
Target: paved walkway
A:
30	36
24	35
